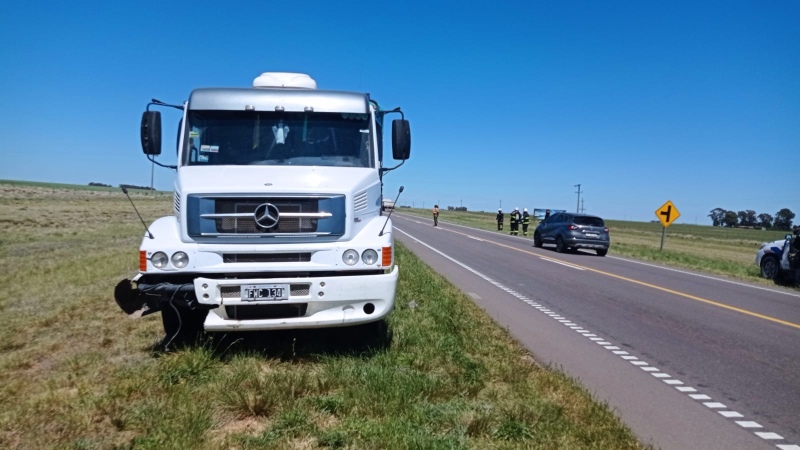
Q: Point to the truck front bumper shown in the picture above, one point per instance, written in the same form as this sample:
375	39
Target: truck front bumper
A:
314	302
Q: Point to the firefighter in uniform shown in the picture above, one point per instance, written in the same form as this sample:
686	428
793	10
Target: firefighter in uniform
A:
499	220
794	251
436	215
526	220
514	221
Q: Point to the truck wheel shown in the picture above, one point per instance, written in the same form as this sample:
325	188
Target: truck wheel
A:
537	240
561	246
770	266
182	326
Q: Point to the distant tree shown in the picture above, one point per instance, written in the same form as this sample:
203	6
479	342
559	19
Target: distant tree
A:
765	220
783	219
133	186
731	219
717	216
747	218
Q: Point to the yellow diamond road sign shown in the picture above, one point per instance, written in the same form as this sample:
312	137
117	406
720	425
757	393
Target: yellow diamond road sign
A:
668	213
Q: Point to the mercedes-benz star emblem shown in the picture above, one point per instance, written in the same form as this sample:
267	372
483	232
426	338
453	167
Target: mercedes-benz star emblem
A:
266	215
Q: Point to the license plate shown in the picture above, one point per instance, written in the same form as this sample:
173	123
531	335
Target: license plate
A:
592	235
264	292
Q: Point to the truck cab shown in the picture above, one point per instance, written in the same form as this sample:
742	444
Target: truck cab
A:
277	212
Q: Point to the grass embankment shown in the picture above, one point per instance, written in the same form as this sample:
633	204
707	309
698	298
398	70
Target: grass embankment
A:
76	373
722	251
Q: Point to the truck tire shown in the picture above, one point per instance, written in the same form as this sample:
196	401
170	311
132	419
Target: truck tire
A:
770	266
182	326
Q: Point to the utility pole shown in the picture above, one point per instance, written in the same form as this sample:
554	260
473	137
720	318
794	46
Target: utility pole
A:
152	168
583	209
578	207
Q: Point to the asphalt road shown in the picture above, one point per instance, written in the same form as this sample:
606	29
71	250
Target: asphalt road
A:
688	361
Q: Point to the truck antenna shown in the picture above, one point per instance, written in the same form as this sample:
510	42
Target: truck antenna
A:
149	234
390	212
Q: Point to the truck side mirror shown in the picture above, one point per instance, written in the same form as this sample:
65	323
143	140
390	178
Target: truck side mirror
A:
151	133
401	139
788	236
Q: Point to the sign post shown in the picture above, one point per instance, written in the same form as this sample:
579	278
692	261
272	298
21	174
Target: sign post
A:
667	214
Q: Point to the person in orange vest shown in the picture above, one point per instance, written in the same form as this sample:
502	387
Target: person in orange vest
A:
436	215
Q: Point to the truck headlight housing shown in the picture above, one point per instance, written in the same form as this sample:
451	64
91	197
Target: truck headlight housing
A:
159	260
369	256
350	257
180	260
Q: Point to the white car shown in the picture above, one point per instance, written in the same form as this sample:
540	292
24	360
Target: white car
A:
769	258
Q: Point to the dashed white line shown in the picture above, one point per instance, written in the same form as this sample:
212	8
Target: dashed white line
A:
748	424
767	435
730	414
714	405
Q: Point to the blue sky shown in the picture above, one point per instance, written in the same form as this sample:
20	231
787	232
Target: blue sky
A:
639	102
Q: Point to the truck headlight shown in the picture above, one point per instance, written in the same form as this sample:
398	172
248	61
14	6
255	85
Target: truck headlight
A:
159	260
180	260
350	257
369	256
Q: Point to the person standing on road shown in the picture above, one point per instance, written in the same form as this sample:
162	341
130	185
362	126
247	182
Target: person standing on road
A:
499	220
436	215
526	220
514	222
794	251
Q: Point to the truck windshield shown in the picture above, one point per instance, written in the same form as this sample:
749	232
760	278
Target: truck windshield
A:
277	138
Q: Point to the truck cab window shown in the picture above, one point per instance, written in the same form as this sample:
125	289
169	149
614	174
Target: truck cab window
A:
279	138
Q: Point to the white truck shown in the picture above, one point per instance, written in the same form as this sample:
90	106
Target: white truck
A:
277	212
388	204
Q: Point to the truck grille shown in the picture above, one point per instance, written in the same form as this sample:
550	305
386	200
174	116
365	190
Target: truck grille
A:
265	257
234	216
255	312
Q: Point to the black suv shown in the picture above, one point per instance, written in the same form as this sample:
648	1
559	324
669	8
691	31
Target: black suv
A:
571	231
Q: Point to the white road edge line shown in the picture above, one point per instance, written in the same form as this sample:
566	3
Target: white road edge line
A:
791	294
775	291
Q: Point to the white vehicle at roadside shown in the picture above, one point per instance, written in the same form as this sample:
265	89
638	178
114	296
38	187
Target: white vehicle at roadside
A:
773	257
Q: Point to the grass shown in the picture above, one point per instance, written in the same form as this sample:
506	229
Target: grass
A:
716	250
76	373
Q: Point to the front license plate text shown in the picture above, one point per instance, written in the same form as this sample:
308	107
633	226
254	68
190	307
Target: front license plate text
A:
264	292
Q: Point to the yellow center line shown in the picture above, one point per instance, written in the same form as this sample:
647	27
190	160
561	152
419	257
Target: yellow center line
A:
642	283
